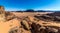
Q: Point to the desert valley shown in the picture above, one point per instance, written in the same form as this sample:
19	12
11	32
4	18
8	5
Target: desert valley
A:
29	22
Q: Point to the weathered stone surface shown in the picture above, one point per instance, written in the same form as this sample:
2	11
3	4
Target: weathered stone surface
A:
5	16
9	16
2	14
25	24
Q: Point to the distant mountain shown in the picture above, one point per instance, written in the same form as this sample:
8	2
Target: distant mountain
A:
31	10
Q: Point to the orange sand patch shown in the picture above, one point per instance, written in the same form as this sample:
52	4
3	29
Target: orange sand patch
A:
6	26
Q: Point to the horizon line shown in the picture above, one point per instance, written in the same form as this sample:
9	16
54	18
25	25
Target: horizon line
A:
34	10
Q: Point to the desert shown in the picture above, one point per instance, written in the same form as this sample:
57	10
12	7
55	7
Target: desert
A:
29	22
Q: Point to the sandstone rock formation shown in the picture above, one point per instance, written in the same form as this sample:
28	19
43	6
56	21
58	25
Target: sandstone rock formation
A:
5	16
9	16
34	25
2	14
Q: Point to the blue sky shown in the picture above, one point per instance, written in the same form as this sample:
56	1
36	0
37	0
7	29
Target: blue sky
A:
13	5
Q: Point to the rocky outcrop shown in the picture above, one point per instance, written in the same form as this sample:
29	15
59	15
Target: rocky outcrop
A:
2	14
34	25
5	16
9	16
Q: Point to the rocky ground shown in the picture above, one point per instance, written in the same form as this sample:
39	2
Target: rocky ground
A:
32	22
37	23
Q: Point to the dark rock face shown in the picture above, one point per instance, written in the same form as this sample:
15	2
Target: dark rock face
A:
35	28
49	17
45	18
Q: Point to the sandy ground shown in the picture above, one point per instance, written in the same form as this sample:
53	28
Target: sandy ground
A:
24	14
5	27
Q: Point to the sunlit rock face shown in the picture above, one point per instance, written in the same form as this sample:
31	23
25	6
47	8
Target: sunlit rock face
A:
2	8
2	14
